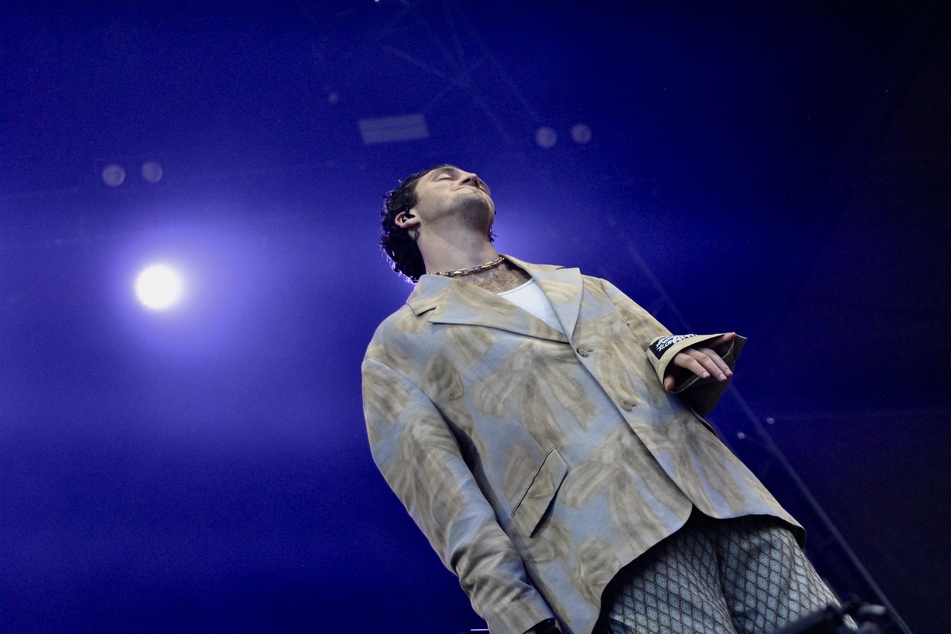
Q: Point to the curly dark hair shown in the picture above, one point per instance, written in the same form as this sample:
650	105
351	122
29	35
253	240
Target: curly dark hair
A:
396	242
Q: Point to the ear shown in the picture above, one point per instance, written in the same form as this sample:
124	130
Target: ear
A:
404	222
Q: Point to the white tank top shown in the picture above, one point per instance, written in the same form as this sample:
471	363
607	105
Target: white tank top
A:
530	297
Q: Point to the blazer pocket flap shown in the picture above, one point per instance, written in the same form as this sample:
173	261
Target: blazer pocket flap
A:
540	493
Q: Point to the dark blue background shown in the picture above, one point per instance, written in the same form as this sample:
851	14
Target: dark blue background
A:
779	169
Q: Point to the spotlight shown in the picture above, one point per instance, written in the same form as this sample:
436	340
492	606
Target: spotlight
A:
581	133
158	287
152	171
546	137
113	175
387	129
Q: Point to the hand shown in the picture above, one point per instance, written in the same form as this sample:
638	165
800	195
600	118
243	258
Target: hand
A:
700	360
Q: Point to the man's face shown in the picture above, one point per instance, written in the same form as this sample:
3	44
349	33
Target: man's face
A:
448	192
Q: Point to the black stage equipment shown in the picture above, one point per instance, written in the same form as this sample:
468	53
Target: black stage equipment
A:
833	619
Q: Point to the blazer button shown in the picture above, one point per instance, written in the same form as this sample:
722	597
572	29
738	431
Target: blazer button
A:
582	351
627	405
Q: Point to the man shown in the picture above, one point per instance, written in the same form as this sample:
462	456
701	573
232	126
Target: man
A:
546	434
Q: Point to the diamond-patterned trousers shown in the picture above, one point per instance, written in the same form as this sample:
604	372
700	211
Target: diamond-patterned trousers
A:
745	575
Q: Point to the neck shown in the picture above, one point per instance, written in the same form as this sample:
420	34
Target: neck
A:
449	253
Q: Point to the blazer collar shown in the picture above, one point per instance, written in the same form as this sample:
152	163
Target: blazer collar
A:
452	301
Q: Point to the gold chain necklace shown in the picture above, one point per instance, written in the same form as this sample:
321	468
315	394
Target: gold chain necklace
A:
472	269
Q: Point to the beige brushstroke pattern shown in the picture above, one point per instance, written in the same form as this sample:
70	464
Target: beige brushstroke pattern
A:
539	462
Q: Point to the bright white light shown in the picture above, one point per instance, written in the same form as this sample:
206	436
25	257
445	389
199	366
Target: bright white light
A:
158	287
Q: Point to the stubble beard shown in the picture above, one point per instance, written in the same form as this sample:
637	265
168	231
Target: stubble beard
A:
475	212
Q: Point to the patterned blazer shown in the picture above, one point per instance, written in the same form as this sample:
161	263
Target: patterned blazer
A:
539	463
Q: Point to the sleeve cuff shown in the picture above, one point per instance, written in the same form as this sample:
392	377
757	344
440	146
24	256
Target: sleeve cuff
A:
703	398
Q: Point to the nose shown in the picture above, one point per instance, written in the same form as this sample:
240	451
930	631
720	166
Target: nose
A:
472	179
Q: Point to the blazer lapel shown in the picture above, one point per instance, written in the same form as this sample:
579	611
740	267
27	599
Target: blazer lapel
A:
450	301
563	288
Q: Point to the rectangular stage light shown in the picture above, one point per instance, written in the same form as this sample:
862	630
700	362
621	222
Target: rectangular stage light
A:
386	129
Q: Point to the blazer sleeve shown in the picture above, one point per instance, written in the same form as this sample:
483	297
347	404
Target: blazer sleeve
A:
699	394
420	459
